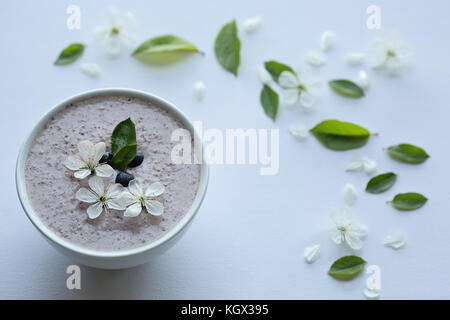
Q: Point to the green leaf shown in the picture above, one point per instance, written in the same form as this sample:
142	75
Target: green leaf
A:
123	144
381	183
338	135
408	153
346	88
227	47
408	201
164	49
347	267
269	101
70	54
276	68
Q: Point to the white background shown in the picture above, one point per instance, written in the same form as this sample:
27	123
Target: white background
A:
247	240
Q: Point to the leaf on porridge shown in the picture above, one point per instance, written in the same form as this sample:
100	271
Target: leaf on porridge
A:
123	144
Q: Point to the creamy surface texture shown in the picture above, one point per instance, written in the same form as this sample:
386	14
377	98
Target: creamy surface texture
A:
51	187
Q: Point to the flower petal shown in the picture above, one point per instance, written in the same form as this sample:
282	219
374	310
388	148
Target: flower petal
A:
311	254
357	229
81	174
116	204
133	210
155	189
336	236
199	90
104	170
74	163
363	80
154	207
87	150
353	241
101	34
288	80
327	40
315	59
251	24
113	16
307	99
355	58
96	184
350	194
95	210
369	165
114	190
379	56
90	69
395	240
86	195
355	165
393	66
289	96
299	132
263	75
135	187
113	46
100	149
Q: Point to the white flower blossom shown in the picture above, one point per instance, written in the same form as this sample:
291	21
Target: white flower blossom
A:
350	194
90	69
369	166
389	53
137	199
199	90
251	24
395	240
312	253
315	59
363	80
355	58
300	132
301	87
263	75
86	162
101	200
327	40
346	230
118	35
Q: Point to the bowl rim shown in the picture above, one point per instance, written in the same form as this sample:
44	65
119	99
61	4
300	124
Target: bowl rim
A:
105	254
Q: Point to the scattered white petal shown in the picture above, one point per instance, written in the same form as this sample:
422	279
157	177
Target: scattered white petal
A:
371	294
363	80
362	163
300	132
355	58
199	90
327	40
311	254
395	240
251	24
369	165
315	59
350	194
263	75
90	69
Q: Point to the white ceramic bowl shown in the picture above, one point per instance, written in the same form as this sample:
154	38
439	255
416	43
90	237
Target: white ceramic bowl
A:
109	259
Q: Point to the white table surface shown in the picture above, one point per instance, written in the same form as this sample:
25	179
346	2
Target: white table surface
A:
248	238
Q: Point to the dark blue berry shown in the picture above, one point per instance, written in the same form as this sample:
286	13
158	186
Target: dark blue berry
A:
137	160
106	158
124	178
